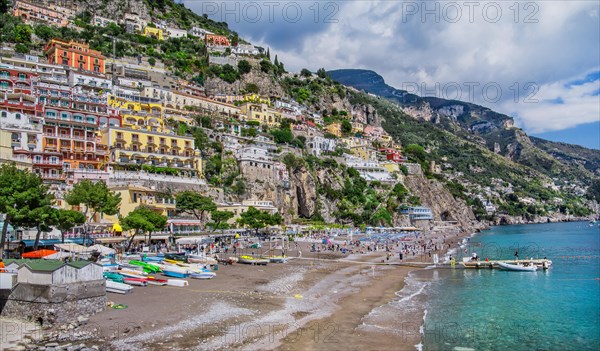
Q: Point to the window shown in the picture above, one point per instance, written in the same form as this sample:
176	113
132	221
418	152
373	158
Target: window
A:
78	118
90	119
64	116
65	61
4	114
22	76
17	115
81	65
81	57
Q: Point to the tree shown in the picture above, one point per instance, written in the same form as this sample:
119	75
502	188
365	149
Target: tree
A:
257	219
252	88
244	67
152	61
194	203
23	33
67	220
95	197
416	151
20	193
252	219
346	127
142	220
322	73
265	66
593	191
42	218
219	219
305	73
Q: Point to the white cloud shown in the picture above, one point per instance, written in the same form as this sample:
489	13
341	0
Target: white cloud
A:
545	43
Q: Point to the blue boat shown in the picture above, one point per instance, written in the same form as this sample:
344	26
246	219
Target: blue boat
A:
175	274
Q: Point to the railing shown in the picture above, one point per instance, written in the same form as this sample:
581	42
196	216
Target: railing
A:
46	162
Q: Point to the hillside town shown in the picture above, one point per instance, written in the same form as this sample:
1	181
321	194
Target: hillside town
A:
72	114
166	184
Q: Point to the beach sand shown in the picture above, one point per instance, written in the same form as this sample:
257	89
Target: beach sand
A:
319	301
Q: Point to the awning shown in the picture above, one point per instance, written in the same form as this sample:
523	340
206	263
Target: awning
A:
116	239
117	227
52	242
73	248
38	253
59	255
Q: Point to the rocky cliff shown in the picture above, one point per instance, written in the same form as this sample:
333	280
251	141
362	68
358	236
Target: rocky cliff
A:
443	205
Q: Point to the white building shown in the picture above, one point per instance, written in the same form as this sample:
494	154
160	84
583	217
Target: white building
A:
176	33
89	81
245	49
370	171
100	21
317	145
199	32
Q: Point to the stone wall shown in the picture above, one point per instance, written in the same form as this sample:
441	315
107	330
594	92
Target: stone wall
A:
50	304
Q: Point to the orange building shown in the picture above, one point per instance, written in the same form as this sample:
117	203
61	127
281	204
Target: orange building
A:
213	39
74	54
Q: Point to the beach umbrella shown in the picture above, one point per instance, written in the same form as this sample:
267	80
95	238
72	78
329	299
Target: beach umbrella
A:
39	253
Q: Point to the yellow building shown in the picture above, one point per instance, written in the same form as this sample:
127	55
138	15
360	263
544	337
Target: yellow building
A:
386	139
391	167
260	112
152	151
364	152
257	99
134	196
335	129
358	127
154	32
239	208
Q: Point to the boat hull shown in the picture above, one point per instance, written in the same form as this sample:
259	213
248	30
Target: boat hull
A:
516	268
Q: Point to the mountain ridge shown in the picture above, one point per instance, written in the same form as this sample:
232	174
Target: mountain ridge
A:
482	125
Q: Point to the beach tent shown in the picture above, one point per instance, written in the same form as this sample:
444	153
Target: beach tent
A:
38	253
76	248
59	255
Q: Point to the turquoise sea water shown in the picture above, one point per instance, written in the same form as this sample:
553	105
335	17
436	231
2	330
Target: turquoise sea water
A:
557	309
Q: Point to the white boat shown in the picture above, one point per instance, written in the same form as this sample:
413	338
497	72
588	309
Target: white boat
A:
118	288
204	274
517	267
201	259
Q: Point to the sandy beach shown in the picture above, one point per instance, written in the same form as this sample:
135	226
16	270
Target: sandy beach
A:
318	301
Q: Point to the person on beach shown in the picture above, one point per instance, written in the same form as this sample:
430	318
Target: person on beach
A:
1	266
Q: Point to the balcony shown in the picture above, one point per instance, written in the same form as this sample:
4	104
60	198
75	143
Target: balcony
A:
47	162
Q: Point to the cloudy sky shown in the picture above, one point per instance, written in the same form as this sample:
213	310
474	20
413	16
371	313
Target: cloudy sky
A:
536	61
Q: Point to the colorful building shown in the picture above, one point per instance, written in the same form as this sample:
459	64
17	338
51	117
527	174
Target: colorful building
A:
214	39
74	54
239	208
32	13
134	196
154	32
260	112
16	80
335	129
152	151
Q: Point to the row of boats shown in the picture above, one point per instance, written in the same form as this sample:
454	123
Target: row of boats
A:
144	270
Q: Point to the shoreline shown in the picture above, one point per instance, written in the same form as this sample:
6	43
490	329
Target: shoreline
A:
318	301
